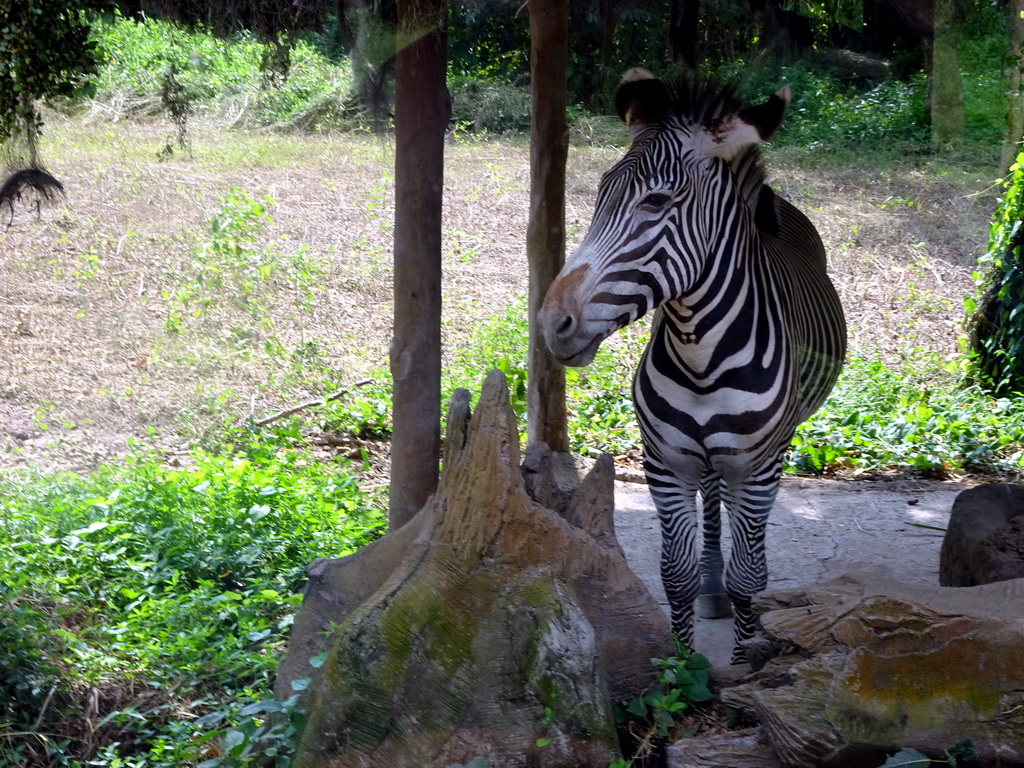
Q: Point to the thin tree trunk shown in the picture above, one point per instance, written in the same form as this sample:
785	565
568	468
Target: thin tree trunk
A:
1015	87
947	95
421	118
684	20
545	232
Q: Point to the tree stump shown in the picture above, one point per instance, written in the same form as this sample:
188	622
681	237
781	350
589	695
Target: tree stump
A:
488	626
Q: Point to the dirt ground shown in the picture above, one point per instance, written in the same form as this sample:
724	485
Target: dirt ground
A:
87	287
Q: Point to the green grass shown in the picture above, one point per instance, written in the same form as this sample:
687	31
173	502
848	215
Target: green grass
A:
168	591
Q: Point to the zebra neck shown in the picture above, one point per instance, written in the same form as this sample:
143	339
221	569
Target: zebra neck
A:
733	317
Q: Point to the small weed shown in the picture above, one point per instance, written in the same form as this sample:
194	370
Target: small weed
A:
238	283
682	684
176	101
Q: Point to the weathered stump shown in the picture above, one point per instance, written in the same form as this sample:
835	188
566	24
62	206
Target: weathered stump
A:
884	665
984	541
487	626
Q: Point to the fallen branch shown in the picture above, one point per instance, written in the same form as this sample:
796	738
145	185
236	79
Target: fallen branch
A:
309	404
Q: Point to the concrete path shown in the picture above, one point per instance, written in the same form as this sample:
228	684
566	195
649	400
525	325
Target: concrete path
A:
818	529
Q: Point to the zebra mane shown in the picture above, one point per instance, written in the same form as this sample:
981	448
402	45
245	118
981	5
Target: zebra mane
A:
699	100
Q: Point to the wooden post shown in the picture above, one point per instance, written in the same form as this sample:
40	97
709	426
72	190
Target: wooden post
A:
545	232
421	117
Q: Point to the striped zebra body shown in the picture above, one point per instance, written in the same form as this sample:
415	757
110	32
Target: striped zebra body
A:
748	334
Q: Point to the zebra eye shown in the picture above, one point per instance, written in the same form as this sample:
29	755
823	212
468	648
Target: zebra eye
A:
655	201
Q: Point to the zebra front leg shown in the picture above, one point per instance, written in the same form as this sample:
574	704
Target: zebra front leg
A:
712	600
680	566
748	506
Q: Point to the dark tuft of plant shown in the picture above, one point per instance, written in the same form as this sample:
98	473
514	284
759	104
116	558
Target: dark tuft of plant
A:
28	181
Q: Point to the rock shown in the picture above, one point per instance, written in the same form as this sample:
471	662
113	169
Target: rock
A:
489	626
737	749
984	541
893	665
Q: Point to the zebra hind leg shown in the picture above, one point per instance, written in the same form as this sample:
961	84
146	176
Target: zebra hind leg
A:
712	600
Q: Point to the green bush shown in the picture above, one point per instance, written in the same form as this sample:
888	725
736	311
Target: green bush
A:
215	73
598	397
495	107
880	419
825	112
996	312
168	591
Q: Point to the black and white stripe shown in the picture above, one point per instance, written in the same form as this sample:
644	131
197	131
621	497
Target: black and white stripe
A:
748	335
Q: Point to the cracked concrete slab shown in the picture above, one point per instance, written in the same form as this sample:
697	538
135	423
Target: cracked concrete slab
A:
818	529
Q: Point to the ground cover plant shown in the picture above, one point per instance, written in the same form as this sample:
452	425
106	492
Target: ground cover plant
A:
146	606
175	301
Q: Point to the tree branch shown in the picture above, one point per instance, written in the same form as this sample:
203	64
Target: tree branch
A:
310	404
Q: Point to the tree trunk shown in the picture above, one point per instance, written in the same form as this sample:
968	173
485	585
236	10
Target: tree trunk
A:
1015	87
489	626
545	232
422	111
684	21
947	95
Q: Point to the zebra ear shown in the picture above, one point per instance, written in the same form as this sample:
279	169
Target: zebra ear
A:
641	98
725	137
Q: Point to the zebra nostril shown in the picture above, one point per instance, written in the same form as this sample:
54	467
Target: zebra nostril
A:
566	326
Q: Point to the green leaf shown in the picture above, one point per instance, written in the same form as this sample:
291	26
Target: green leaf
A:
232	739
318	661
637	707
99	525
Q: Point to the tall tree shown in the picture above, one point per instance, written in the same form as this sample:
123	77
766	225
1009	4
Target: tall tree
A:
683	25
422	111
946	87
1015	86
545	232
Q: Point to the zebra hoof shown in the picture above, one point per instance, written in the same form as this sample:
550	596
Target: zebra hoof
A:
715	606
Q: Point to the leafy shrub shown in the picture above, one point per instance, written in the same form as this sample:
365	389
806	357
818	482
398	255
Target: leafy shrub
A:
496	107
46	53
995	312
598	397
214	72
878	419
26	671
826	113
169	591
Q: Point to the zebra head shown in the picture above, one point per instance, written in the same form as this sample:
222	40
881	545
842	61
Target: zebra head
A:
661	211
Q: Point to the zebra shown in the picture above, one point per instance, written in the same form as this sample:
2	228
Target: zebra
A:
748	334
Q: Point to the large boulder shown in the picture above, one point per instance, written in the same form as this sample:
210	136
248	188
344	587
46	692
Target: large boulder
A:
984	541
489	626
882	665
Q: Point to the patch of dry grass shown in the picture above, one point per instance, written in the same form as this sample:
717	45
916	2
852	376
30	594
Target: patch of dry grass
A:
85	287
